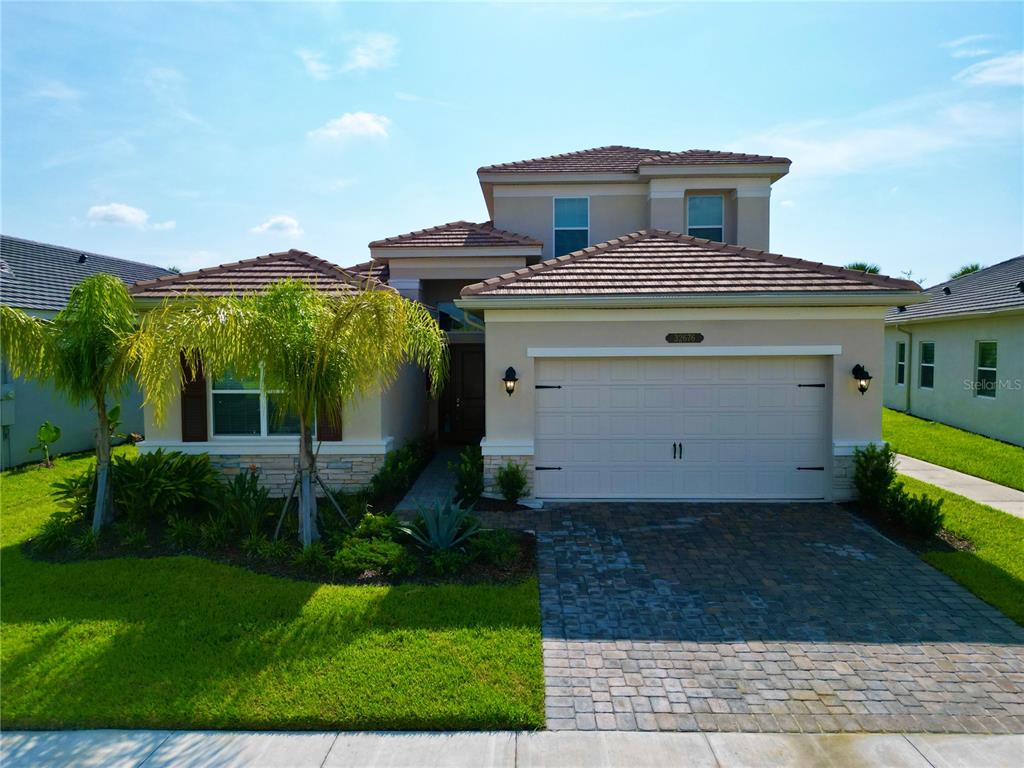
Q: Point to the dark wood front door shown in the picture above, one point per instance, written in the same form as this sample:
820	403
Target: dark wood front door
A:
462	404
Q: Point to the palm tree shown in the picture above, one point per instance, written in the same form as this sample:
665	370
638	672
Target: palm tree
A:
863	266
85	352
966	269
316	351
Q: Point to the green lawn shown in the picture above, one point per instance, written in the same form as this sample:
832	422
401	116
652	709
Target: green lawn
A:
954	448
994	571
183	642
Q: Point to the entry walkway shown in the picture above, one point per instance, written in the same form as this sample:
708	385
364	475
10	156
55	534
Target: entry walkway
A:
435	483
501	749
974	488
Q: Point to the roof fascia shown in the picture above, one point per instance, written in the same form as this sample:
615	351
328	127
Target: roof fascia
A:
951	316
773	170
385	253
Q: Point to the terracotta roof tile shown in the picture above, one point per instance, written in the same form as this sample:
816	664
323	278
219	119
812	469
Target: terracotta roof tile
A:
456	234
619	159
660	263
253	275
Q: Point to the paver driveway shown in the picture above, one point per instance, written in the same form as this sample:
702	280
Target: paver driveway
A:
762	617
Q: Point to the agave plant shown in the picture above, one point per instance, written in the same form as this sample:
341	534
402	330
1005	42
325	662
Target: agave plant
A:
443	526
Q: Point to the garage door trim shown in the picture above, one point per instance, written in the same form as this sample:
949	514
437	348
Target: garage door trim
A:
694	351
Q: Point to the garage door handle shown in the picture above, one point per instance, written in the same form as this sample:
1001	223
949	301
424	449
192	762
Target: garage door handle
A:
812	469
674	446
546	469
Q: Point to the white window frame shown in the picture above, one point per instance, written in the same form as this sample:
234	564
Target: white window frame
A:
978	368
921	365
721	227
264	413
554	220
901	365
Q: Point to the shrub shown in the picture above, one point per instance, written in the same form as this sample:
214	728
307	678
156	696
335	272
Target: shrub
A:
85	543
182	533
246	502
357	556
498	548
921	516
512	482
151	486
215	533
375	526
254	545
448	562
77	494
130	536
46	435
873	474
57	532
311	558
276	549
400	469
444	526
469	475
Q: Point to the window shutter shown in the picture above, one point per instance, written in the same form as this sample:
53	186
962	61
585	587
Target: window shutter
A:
194	427
326	429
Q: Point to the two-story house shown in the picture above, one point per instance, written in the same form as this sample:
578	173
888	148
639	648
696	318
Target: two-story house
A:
619	327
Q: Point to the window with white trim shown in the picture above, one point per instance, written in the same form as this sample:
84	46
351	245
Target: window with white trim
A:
705	217
572	224
241	406
901	363
926	369
985	380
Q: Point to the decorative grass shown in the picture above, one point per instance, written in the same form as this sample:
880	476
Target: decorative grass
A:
954	448
183	642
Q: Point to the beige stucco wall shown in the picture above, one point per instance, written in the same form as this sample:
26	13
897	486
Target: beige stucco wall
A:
952	400
752	217
856	418
405	406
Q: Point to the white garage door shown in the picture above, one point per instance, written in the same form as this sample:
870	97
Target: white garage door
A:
682	428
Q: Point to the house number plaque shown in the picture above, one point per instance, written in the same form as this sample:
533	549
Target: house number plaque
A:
684	338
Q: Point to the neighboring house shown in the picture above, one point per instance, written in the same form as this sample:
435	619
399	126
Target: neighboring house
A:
959	357
652	359
38	278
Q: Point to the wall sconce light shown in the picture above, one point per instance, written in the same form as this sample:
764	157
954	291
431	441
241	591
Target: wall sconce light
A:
510	380
860	373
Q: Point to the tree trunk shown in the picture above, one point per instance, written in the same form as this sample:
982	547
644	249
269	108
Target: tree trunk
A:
308	532
104	511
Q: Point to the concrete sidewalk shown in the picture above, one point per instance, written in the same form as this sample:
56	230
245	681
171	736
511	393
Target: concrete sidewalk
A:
982	491
502	749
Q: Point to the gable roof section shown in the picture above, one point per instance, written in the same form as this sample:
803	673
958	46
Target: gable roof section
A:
371	270
252	275
457	234
620	159
664	263
40	276
998	288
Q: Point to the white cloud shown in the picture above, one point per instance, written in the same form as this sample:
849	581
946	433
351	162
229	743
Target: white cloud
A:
353	124
118	213
970	53
163	226
1007	69
56	90
960	42
285	226
315	64
168	88
371	51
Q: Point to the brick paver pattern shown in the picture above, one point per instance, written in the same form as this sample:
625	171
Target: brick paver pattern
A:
782	618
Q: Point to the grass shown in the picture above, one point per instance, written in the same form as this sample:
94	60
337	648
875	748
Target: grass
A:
994	570
183	642
954	448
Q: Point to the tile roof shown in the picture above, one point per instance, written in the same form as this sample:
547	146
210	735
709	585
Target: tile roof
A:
994	289
456	234
40	276
376	270
660	263
252	275
619	159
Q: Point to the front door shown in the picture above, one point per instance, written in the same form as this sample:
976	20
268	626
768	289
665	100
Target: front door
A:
462	404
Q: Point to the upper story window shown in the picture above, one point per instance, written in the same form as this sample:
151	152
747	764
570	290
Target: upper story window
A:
926	376
242	406
901	363
985	376
572	224
705	217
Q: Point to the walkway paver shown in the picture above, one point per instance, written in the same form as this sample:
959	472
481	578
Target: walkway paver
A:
435	483
982	491
774	618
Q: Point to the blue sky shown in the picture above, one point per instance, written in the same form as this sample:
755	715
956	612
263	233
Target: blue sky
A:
192	134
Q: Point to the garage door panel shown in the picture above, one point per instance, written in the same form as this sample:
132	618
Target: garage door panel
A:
624	398
584	398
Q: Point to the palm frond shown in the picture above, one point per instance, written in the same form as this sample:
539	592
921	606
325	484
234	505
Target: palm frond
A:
26	343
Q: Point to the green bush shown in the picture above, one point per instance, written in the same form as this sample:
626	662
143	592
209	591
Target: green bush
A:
130	536
512	482
253	545
182	533
449	562
376	526
275	550
85	543
921	516
312	558
874	472
357	556
444	526
77	494
498	547
246	503
469	475
215	533
57	532
400	470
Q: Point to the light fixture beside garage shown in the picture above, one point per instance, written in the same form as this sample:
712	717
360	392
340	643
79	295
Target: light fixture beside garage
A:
860	373
510	380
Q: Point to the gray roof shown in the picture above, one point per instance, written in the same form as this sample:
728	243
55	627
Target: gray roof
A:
40	276
999	288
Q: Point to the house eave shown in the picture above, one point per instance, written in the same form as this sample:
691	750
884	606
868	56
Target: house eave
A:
386	253
953	316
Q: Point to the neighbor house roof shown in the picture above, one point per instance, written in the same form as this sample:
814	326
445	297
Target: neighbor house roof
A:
376	270
994	289
252	275
619	159
664	263
40	276
457	234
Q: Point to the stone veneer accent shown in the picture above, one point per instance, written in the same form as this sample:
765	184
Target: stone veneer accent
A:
278	471
842	479
493	463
